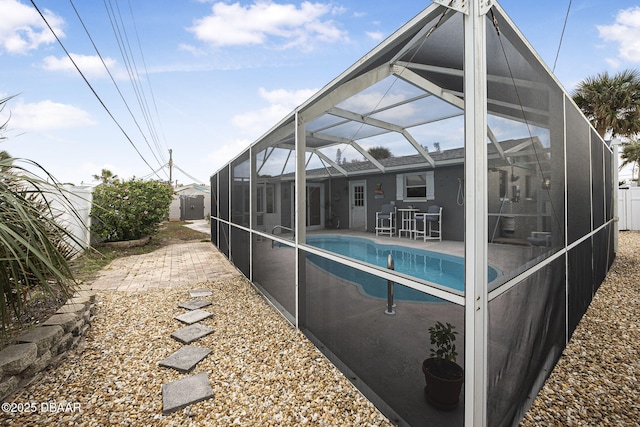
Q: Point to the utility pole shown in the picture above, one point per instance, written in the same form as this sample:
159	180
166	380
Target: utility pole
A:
170	167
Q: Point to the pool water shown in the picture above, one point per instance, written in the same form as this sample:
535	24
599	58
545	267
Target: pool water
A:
445	270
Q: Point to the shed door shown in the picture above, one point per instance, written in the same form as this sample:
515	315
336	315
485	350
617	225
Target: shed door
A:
191	207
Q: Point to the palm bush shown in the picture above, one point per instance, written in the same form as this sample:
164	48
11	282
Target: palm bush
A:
611	103
34	248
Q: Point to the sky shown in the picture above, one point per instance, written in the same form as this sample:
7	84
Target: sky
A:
205	79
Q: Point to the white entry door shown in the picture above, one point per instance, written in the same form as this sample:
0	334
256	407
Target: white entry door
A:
358	202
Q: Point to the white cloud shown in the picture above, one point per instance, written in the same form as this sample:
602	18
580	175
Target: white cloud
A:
48	115
626	32
375	35
225	152
90	65
191	49
90	168
22	28
282	102
369	101
267	23
288	98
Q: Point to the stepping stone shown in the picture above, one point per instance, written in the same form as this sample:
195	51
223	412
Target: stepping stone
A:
197	293
191	333
194	305
185	359
182	393
193	316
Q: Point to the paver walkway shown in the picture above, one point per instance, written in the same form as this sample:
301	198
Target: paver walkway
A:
174	265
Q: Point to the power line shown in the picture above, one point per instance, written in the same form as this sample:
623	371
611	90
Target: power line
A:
188	176
89	84
111	76
566	19
146	72
122	39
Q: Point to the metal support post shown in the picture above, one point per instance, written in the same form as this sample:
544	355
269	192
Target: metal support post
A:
390	284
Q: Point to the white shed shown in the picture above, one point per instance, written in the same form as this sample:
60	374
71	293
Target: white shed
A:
185	192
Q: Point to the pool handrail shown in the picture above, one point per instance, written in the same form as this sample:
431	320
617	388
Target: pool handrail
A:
282	227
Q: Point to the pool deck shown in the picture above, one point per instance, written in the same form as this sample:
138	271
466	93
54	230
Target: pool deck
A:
502	256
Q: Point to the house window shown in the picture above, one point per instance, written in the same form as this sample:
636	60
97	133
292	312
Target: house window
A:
260	199
415	186
528	187
271	198
266	199
504	175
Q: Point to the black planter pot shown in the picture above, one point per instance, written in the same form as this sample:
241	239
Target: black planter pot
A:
443	392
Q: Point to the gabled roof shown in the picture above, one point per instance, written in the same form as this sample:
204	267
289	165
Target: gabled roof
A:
530	148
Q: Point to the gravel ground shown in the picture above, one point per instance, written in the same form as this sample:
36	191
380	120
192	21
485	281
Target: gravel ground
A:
264	372
597	380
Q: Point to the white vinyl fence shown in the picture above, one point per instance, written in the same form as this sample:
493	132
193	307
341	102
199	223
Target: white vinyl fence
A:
629	208
78	198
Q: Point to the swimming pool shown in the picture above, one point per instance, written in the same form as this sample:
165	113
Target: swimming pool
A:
443	269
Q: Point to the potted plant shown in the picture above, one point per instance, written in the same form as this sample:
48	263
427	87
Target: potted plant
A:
444	377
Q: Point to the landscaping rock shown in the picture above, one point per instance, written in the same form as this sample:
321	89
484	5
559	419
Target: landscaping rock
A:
185	359
16	358
187	391
43	336
193	316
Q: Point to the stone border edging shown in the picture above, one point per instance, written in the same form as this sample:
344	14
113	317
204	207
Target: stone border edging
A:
47	344
128	243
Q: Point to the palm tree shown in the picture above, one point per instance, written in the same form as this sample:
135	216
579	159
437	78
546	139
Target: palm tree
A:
379	152
631	156
34	248
106	176
611	103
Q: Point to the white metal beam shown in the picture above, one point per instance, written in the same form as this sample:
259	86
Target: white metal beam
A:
368	156
476	214
418	147
459	5
446	96
383	125
331	162
422	34
344	92
495	142
276	136
427	85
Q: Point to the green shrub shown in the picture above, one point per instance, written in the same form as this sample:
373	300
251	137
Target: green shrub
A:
128	210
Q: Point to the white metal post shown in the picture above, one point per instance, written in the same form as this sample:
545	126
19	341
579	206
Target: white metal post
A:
229	210
475	209
253	179
300	210
615	145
